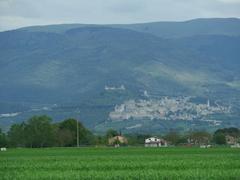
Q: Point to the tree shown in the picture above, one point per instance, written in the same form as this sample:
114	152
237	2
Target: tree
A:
219	138
100	140
234	132
220	135
67	133
111	133
65	137
137	139
16	135
200	137
174	138
3	139
39	132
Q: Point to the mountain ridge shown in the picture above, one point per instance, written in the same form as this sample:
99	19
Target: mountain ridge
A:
62	74
224	26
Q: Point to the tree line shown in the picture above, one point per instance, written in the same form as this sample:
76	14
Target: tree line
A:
40	131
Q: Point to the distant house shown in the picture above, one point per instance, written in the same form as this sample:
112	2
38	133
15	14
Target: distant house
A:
3	149
155	142
231	140
117	140
235	145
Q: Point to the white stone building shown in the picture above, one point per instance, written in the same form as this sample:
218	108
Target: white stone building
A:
155	142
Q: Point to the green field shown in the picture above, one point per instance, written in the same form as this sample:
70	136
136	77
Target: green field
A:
120	163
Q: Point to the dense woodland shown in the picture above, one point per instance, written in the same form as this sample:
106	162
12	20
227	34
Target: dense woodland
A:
40	131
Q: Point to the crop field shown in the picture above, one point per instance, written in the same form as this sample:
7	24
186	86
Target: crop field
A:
120	163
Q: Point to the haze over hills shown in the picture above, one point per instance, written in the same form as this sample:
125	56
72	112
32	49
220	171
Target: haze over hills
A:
211	26
158	76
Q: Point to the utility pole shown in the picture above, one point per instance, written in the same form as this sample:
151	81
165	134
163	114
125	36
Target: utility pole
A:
77	134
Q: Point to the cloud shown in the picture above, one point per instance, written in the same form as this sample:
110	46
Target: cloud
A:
126	6
13	22
18	13
230	1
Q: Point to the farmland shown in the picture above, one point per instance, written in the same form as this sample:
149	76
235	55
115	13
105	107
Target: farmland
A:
120	163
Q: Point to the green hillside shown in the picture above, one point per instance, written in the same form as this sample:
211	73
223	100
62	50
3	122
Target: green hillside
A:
84	71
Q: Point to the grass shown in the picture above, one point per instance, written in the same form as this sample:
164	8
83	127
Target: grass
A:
120	163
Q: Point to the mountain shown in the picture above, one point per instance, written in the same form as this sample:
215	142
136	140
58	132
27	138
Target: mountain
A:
133	77
211	26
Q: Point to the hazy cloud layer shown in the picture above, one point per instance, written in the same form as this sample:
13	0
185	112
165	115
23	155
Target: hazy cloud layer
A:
19	13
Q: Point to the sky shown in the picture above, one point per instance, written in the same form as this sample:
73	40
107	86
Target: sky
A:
21	13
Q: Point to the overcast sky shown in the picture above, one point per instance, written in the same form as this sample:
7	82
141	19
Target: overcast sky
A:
20	13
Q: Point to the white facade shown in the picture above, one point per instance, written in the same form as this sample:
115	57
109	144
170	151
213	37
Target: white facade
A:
3	149
155	142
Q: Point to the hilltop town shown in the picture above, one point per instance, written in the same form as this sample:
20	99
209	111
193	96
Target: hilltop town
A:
166	108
